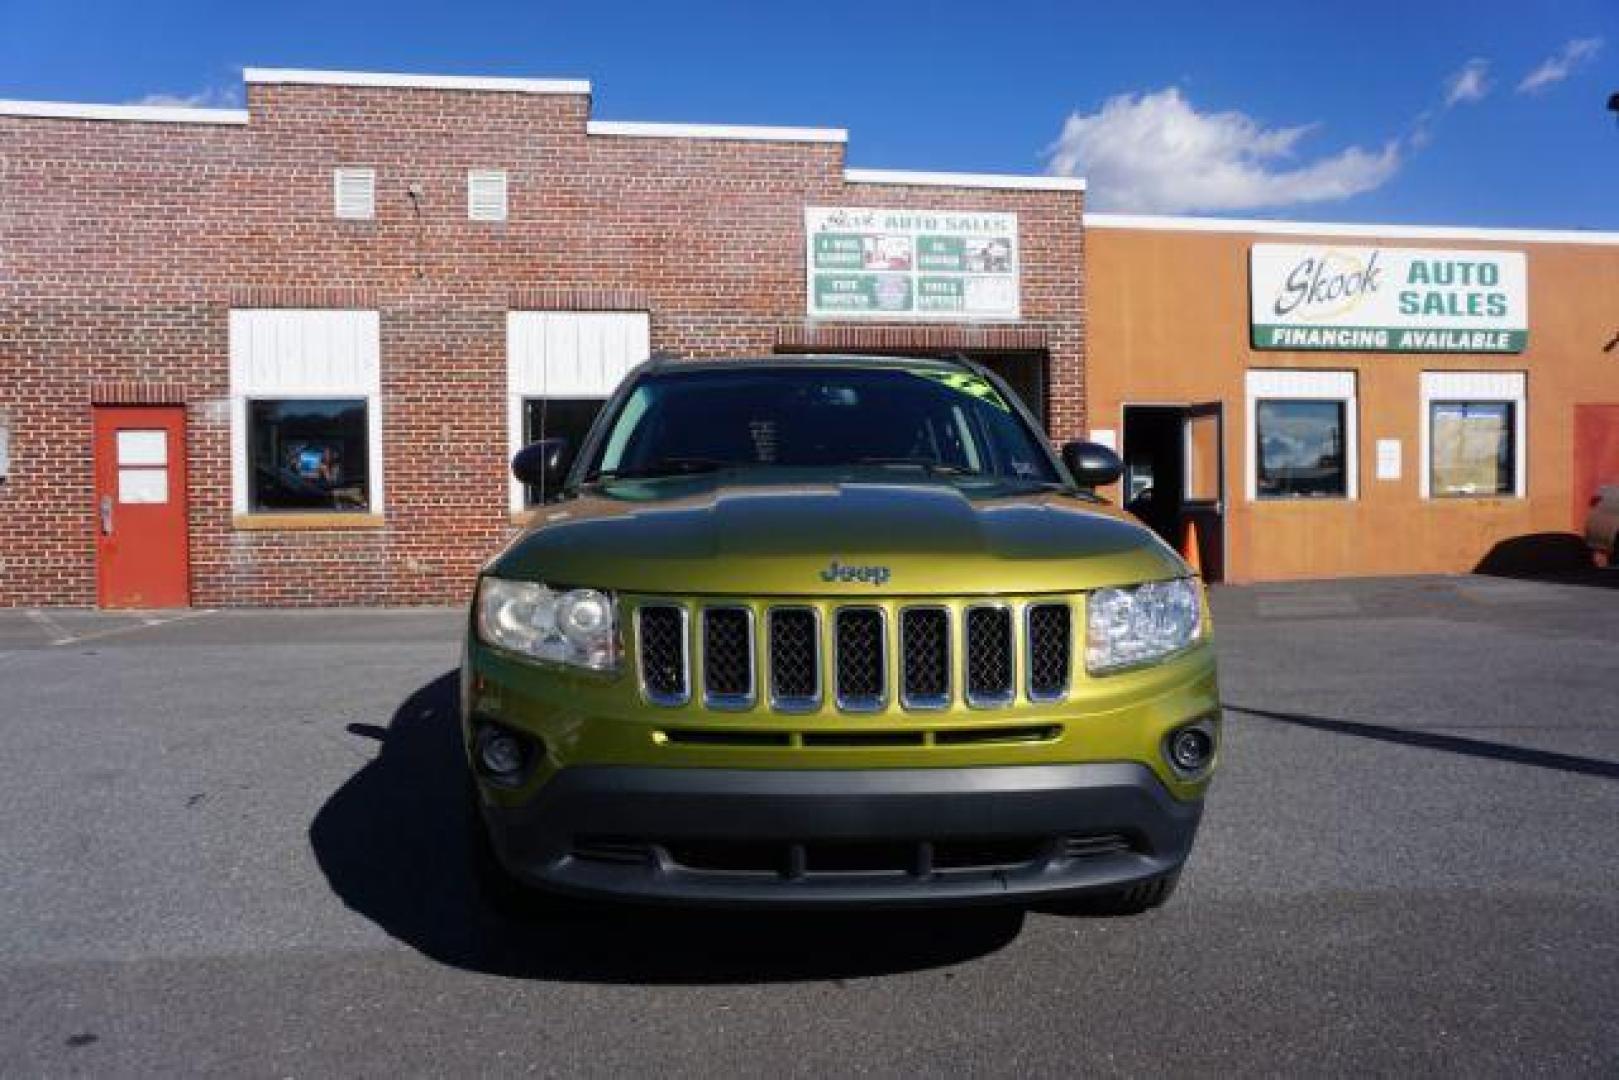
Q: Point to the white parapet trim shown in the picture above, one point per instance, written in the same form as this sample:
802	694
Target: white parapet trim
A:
639	129
147	114
971	180
1266	227
303	77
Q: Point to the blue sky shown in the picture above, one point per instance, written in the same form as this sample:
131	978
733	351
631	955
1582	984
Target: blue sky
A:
1423	111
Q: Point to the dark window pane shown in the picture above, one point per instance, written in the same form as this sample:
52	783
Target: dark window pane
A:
551	418
1471	447
308	455
1301	450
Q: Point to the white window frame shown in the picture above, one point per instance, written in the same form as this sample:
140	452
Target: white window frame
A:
355	175
1297	384
300	354
1483	387
545	357
476	176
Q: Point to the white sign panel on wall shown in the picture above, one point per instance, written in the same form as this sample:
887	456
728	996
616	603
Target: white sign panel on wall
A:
1379	299
1388	459
910	264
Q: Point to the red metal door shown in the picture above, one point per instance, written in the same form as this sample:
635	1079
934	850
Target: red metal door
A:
1596	455
140	510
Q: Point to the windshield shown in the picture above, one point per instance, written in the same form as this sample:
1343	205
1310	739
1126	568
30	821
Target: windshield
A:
932	421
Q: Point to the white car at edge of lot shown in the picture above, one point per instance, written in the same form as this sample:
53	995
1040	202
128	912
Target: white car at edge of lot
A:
1602	523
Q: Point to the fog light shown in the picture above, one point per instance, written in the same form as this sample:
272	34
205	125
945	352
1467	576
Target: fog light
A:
1189	750
502	755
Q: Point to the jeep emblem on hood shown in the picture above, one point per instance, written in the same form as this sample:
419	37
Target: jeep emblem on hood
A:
876	575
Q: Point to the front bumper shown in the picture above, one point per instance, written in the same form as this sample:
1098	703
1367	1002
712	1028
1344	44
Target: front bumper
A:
830	837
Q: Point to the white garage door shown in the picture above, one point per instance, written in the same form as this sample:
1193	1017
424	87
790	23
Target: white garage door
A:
570	358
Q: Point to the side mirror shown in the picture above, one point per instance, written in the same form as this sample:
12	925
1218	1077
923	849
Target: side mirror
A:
543	465
1092	464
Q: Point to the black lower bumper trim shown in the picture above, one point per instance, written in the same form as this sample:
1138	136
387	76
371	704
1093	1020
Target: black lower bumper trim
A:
845	837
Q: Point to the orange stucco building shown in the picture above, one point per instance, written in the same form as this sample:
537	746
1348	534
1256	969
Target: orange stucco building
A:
1315	400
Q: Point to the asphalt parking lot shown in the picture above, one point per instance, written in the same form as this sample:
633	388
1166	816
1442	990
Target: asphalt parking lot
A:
232	842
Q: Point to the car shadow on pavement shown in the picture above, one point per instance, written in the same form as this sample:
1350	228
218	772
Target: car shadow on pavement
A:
393	842
1434	740
1549	557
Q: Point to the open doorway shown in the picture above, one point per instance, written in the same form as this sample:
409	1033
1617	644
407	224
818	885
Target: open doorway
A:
1174	476
1025	374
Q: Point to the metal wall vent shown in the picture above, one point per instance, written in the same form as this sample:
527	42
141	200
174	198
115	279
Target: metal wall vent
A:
354	193
486	195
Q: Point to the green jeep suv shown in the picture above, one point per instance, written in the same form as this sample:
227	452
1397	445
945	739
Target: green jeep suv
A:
816	631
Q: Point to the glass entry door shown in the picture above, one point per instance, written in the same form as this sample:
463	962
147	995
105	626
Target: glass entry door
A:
1203	485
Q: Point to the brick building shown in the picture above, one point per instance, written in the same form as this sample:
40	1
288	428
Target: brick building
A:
282	354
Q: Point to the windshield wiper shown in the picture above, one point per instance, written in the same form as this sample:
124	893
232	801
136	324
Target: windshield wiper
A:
929	465
669	466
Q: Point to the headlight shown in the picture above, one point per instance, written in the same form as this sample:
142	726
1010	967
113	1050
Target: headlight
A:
1134	626
576	627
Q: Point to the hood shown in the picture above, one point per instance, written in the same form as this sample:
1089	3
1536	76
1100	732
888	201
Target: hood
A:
712	535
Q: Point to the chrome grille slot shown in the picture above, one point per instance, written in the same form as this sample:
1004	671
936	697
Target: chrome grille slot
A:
728	673
726	737
990	661
661	643
864	738
860	657
989	853
924	649
613	849
1048	645
795	659
1087	847
982	736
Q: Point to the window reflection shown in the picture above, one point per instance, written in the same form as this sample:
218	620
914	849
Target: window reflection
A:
1301	450
308	455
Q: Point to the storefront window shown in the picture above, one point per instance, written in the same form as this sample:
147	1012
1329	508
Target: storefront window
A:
1301	449
552	418
308	455
1472	448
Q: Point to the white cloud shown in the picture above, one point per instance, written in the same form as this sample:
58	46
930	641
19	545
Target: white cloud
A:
1154	152
212	97
1556	68
1470	84
1421	133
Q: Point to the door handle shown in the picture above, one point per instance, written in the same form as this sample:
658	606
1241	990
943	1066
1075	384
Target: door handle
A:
106	515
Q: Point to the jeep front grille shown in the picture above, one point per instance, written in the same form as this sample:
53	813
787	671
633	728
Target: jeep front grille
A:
1048	632
795	659
924	649
860	657
662	643
865	657
989	656
728	657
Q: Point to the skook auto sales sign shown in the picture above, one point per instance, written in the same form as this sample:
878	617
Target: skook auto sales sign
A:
911	264
1377	299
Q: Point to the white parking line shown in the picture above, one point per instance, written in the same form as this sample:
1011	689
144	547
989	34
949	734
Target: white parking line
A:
146	622
58	633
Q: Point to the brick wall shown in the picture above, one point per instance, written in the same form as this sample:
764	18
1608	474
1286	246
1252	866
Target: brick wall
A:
124	245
